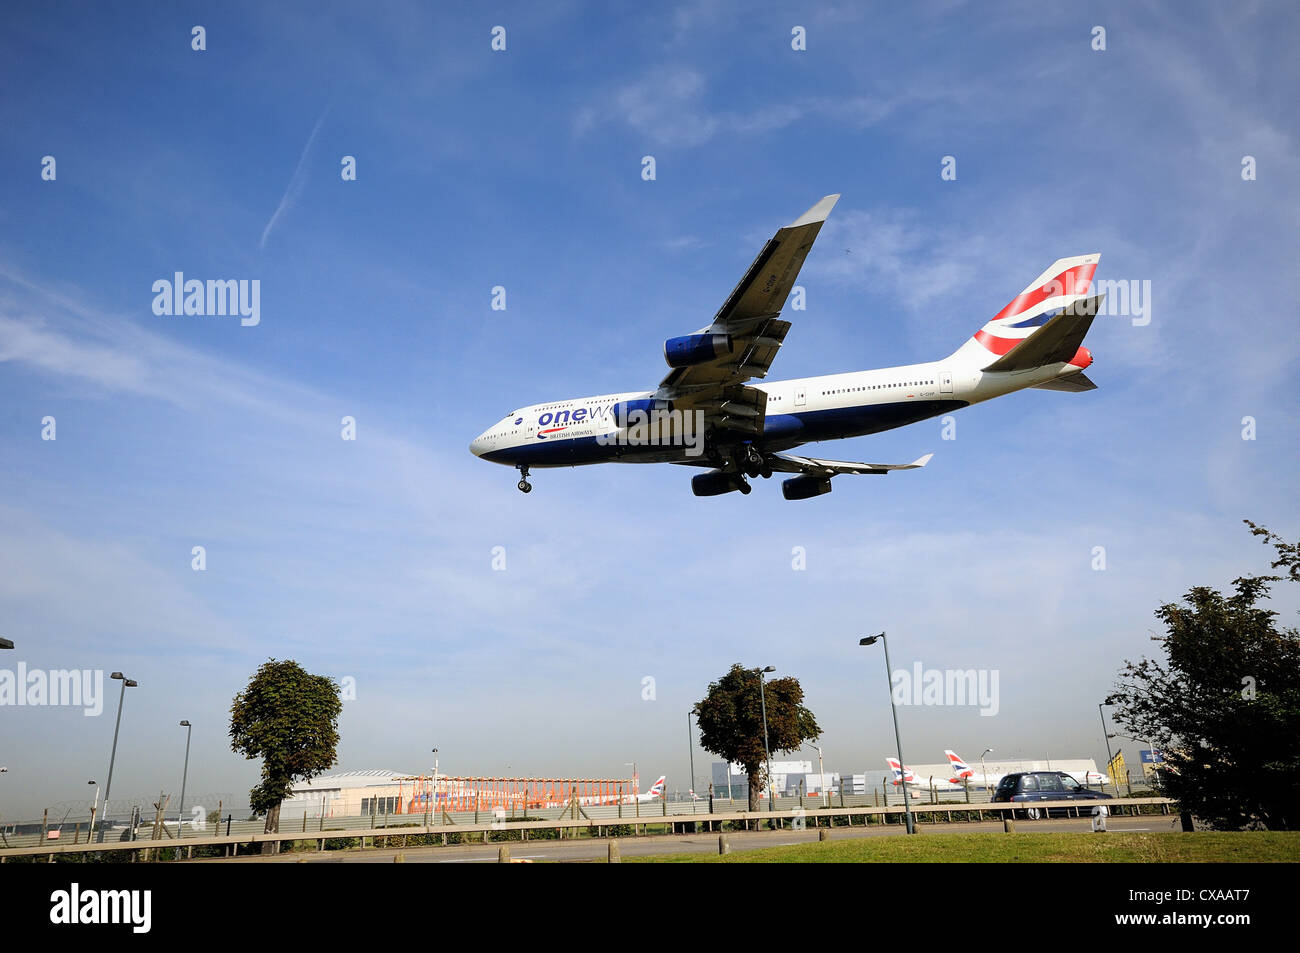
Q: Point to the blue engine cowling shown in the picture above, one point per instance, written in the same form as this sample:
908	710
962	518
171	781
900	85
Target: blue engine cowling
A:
805	487
695	349
647	405
714	483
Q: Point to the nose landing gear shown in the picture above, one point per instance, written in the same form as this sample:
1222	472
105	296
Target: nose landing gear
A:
523	484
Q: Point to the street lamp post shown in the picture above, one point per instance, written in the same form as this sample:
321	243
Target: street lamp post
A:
767	753
108	786
984	768
690	746
821	777
94	809
1109	757
902	765
185	774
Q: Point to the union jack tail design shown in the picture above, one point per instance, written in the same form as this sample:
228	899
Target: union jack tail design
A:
1067	282
960	769
898	774
657	789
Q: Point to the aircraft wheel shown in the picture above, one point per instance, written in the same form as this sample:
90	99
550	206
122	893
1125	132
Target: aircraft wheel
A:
765	472
525	486
745	488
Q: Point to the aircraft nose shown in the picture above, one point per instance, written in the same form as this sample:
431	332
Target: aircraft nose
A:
477	446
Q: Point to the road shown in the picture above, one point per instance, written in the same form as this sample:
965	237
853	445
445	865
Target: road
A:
569	851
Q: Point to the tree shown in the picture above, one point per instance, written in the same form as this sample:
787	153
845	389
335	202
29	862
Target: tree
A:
289	719
1225	705
730	720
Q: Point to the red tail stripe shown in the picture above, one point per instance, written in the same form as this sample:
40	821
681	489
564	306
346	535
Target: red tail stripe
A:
1076	280
998	346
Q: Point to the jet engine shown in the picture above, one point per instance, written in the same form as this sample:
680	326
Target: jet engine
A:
695	349
717	482
804	487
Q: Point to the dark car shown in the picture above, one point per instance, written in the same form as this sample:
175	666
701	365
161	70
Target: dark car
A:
1044	786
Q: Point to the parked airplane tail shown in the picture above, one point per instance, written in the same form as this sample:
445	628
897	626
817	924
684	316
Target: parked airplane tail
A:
898	773
657	789
1045	324
960	769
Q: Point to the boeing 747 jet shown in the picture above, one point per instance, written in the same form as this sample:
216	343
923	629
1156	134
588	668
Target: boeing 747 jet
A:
707	412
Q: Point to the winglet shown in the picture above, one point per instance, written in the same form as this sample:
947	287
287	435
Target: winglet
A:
818	213
922	461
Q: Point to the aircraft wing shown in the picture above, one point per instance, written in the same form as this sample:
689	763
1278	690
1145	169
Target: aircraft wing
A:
750	317
789	463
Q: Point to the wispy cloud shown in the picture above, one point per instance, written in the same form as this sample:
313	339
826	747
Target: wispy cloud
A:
670	107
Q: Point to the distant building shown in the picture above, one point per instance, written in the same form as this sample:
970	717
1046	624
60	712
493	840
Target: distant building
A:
854	784
815	783
786	777
347	794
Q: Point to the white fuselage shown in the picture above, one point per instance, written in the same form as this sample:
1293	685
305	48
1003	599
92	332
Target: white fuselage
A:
585	430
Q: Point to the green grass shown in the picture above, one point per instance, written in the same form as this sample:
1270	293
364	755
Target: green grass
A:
996	848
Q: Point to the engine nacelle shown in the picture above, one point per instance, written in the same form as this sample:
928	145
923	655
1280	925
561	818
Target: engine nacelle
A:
714	483
646	405
804	487
695	349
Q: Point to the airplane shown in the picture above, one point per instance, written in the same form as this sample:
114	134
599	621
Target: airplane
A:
920	784
1096	777
705	413
655	793
962	771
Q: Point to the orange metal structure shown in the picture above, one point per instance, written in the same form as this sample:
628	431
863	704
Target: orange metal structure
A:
420	794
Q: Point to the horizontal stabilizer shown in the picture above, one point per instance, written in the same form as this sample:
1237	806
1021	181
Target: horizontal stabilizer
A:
789	463
1075	383
1056	342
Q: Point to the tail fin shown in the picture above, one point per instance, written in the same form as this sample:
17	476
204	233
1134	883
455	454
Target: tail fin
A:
1060	288
657	789
960	769
899	773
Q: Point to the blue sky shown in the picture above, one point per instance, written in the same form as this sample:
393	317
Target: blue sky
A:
372	559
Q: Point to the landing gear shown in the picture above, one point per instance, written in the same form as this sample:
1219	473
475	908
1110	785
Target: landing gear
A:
751	463
744	487
523	484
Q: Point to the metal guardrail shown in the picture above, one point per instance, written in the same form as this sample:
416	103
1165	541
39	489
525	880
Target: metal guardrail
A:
782	818
624	813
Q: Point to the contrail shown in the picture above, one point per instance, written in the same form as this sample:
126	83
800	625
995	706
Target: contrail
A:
296	182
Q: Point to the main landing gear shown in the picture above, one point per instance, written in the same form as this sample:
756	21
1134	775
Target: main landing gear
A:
752	463
523	484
